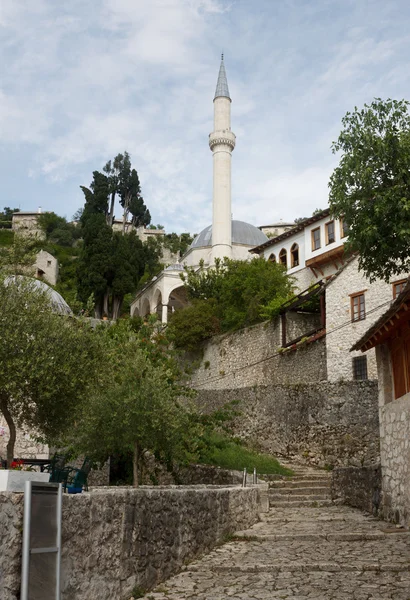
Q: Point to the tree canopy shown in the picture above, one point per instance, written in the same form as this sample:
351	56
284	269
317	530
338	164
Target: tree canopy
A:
48	362
232	294
370	188
111	263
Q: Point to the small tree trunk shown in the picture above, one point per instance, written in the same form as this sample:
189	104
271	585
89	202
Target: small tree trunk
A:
135	464
126	211
106	308
12	429
116	306
110	215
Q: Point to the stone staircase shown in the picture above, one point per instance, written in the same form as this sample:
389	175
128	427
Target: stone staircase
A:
307	487
304	548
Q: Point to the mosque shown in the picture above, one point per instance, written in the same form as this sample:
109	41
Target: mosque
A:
225	237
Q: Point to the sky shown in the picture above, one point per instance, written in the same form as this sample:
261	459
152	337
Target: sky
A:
83	80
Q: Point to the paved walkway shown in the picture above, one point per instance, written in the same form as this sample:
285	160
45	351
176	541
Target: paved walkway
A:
305	552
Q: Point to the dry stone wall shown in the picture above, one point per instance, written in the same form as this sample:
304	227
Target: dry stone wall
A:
25	446
395	459
115	540
359	487
250	357
320	424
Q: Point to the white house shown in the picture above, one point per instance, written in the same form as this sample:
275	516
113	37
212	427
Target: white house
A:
311	251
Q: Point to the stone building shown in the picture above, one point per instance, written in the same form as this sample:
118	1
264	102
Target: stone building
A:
26	223
353	304
46	267
390	337
276	229
224	238
311	251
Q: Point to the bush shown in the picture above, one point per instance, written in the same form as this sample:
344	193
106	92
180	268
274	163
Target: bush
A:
194	324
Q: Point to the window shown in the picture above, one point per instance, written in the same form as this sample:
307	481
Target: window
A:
49	263
294	255
283	257
316	239
344	230
398	287
358	308
360	368
272	258
330	232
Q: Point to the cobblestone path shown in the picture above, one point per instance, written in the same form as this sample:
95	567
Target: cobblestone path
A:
300	552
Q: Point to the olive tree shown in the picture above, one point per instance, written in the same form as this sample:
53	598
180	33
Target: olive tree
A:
370	188
49	363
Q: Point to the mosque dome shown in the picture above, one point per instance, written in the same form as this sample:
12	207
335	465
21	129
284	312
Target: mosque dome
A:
57	301
242	233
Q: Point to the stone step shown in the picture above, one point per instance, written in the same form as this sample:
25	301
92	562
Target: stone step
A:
342	536
305	483
305	491
306	567
299	503
296	497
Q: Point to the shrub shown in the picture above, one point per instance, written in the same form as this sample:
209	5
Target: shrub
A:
194	324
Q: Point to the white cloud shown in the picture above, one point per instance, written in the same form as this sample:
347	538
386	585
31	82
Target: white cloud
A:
83	81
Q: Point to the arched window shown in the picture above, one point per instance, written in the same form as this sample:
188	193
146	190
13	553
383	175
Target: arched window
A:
272	258
283	257
294	255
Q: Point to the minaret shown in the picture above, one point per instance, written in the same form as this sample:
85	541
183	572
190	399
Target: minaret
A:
222	142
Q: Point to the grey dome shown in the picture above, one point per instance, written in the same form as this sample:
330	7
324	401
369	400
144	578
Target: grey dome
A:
57	301
175	267
242	233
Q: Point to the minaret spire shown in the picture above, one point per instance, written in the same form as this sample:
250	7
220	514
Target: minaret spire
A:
222	142
222	89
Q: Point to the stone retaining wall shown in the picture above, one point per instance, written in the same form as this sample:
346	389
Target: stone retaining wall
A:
395	459
319	424
117	539
251	357
359	487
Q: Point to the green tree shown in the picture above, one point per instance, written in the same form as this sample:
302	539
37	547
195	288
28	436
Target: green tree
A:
94	268
57	230
235	294
124	183
140	410
370	188
19	257
128	264
48	363
197	322
6	217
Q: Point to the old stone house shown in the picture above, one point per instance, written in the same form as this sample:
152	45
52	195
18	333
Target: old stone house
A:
46	267
389	336
311	251
314	253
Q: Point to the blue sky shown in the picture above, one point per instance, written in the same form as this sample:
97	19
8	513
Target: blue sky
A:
83	80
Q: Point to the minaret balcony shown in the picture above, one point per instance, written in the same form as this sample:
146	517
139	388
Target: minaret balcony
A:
222	138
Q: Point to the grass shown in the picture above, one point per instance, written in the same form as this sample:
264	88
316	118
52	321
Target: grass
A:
230	454
6	237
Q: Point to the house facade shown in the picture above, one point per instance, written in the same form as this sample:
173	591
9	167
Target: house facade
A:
389	336
314	253
353	304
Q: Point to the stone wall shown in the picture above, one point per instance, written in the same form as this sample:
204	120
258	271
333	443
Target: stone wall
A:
26	446
359	487
341	332
115	540
320	424
395	459
243	358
